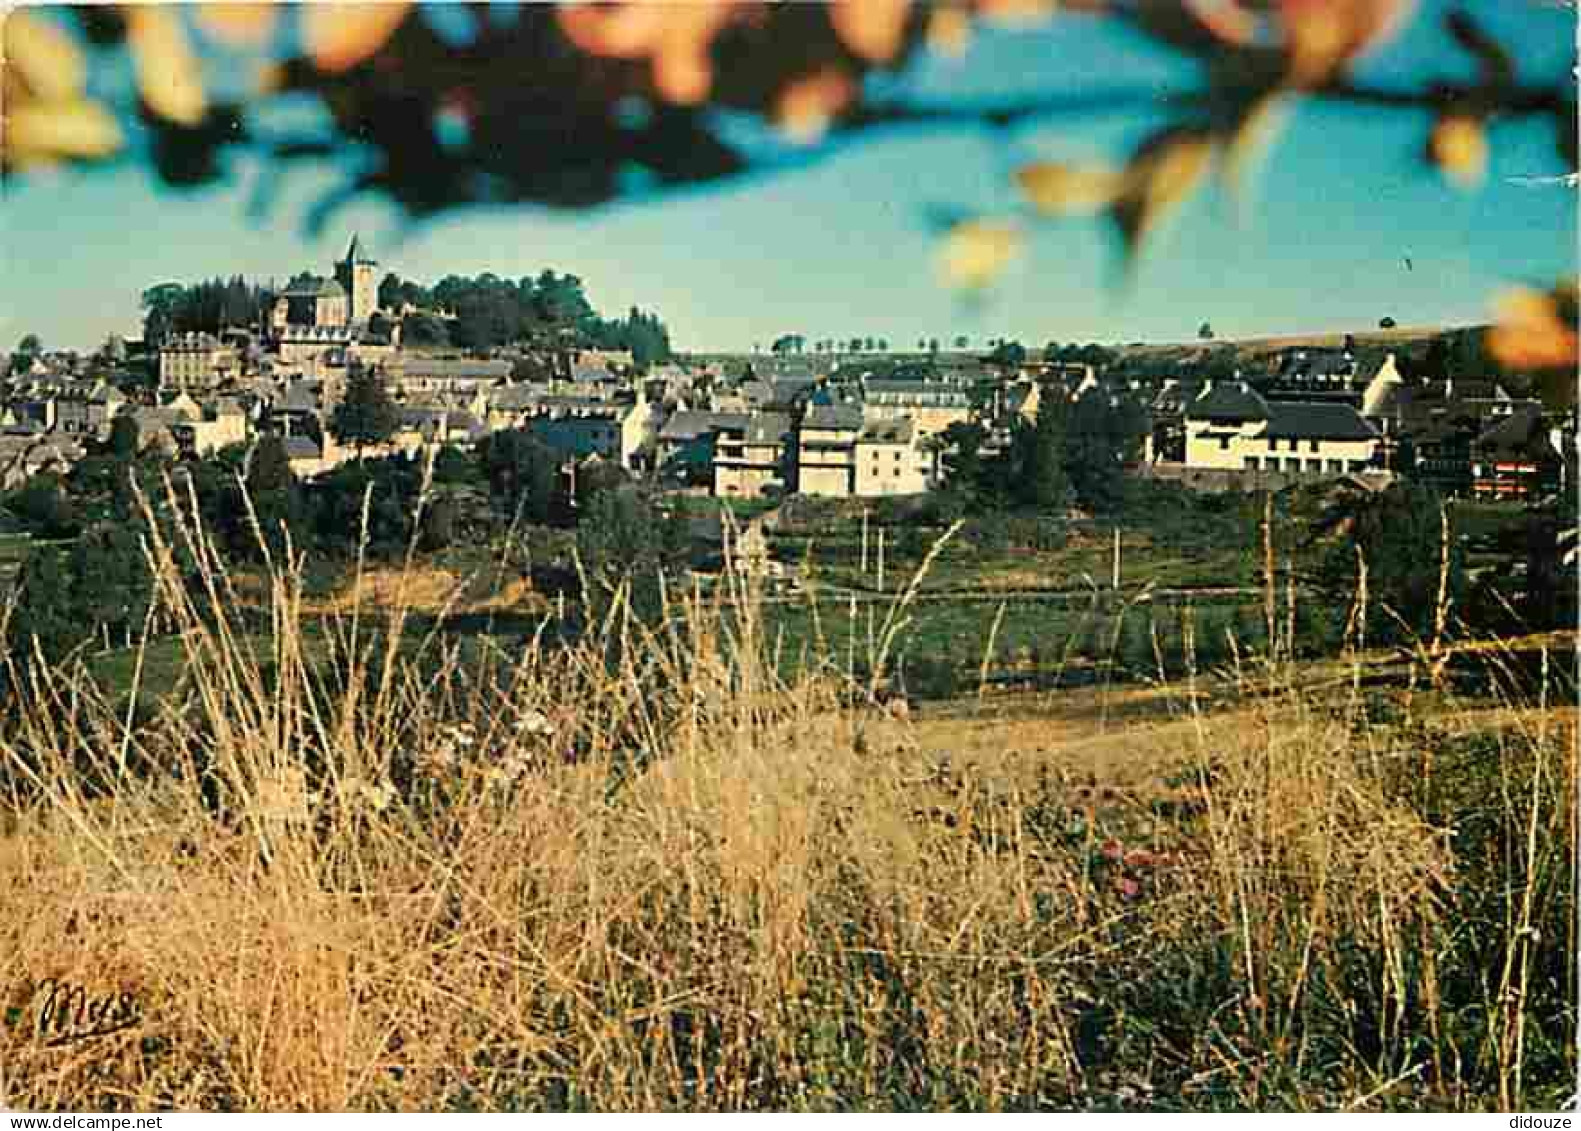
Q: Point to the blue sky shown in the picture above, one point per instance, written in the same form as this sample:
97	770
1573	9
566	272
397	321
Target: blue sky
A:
841	247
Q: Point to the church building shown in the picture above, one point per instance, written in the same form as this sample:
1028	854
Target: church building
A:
357	275
317	323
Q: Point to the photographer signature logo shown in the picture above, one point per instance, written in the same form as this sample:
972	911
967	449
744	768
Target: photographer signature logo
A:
68	1013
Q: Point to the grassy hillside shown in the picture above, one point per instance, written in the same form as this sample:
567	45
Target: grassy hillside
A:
646	871
1253	352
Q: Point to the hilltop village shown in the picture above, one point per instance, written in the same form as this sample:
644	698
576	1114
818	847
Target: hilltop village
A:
847	419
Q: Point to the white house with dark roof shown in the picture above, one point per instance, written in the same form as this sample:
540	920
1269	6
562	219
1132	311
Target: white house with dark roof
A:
1232	428
196	361
892	460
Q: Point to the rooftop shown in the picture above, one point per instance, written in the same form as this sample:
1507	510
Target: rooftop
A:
314	287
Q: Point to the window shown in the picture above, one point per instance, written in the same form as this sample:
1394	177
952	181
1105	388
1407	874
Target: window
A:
1224	443
1295	445
1273	444
1253	463
1313	446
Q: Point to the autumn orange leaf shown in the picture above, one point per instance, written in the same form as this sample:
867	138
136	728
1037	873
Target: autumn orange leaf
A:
949	31
1535	330
339	36
677	38
1016	12
1459	146
683	71
808	104
1323	36
622	31
1228	20
237	24
872	29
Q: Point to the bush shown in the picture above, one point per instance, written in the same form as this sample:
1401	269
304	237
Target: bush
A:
43	508
990	534
1037	532
932	677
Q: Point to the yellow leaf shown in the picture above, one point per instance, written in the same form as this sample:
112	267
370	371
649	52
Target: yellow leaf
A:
682	77
1058	188
75	127
1459	146
238	24
626	31
1016	12
976	251
949	31
1166	169
339	36
43	57
1227	20
683	71
807	104
168	76
676	37
872	29
1322	36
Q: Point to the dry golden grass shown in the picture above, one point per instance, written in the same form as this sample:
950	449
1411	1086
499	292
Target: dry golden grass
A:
424	590
641	871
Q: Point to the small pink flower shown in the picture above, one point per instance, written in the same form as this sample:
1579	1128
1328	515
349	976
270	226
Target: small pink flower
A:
1127	887
1112	850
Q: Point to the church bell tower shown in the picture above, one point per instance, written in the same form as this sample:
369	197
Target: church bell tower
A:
358	276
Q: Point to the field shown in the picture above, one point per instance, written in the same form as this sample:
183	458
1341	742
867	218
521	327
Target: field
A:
340	868
983	612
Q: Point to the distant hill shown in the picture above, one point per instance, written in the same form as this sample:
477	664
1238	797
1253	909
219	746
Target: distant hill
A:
1464	348
1412	340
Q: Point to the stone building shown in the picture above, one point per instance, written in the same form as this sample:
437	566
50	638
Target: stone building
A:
196	361
358	277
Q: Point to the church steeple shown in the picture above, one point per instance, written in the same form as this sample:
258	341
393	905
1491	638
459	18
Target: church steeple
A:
357	274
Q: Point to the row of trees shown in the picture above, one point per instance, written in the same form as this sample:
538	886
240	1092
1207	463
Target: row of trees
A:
1072	454
551	310
1002	350
206	307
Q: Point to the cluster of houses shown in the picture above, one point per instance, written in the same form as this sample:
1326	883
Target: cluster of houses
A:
823	426
1324	413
